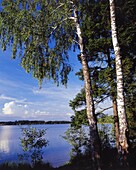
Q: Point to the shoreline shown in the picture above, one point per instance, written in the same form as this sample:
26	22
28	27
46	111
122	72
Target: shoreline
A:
33	122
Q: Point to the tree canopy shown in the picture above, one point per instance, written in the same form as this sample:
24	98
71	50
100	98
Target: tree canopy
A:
39	35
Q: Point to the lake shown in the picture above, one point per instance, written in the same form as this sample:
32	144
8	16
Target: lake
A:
57	152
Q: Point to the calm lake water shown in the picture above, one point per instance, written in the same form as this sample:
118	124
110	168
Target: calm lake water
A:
57	152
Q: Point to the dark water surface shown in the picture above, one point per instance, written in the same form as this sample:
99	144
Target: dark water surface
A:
57	152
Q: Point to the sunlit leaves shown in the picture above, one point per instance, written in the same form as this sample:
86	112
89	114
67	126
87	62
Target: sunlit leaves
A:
31	27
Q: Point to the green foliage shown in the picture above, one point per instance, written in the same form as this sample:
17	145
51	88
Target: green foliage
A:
126	22
79	119
104	118
96	28
78	101
33	141
78	104
39	36
106	136
126	28
97	37
77	138
132	128
41	33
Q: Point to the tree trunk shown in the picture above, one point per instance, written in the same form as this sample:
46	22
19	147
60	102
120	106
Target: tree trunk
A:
116	122
114	103
123	126
94	137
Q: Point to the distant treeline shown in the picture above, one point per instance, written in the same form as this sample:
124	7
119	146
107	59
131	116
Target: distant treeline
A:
29	122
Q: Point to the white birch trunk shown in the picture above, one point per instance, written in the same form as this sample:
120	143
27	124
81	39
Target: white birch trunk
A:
123	126
116	122
94	137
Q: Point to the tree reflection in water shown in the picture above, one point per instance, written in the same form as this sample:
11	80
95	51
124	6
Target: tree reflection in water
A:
32	141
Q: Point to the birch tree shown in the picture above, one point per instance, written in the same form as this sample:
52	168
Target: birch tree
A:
90	110
42	33
123	126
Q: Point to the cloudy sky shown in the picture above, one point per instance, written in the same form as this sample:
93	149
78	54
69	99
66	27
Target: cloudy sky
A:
21	98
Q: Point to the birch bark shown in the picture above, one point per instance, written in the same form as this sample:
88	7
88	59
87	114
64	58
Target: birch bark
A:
116	122
123	126
94	137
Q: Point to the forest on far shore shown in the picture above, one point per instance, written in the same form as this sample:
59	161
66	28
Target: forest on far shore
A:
103	119
32	122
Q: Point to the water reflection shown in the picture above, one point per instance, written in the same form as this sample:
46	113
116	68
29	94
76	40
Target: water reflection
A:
56	153
5	136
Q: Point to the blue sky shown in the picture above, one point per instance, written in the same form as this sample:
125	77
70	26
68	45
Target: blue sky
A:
21	98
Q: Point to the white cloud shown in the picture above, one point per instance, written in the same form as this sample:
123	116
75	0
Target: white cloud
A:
49	103
41	113
8	108
19	100
24	101
4	97
23	111
14	108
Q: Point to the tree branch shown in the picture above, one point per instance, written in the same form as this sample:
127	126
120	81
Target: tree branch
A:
97	102
99	112
61	4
